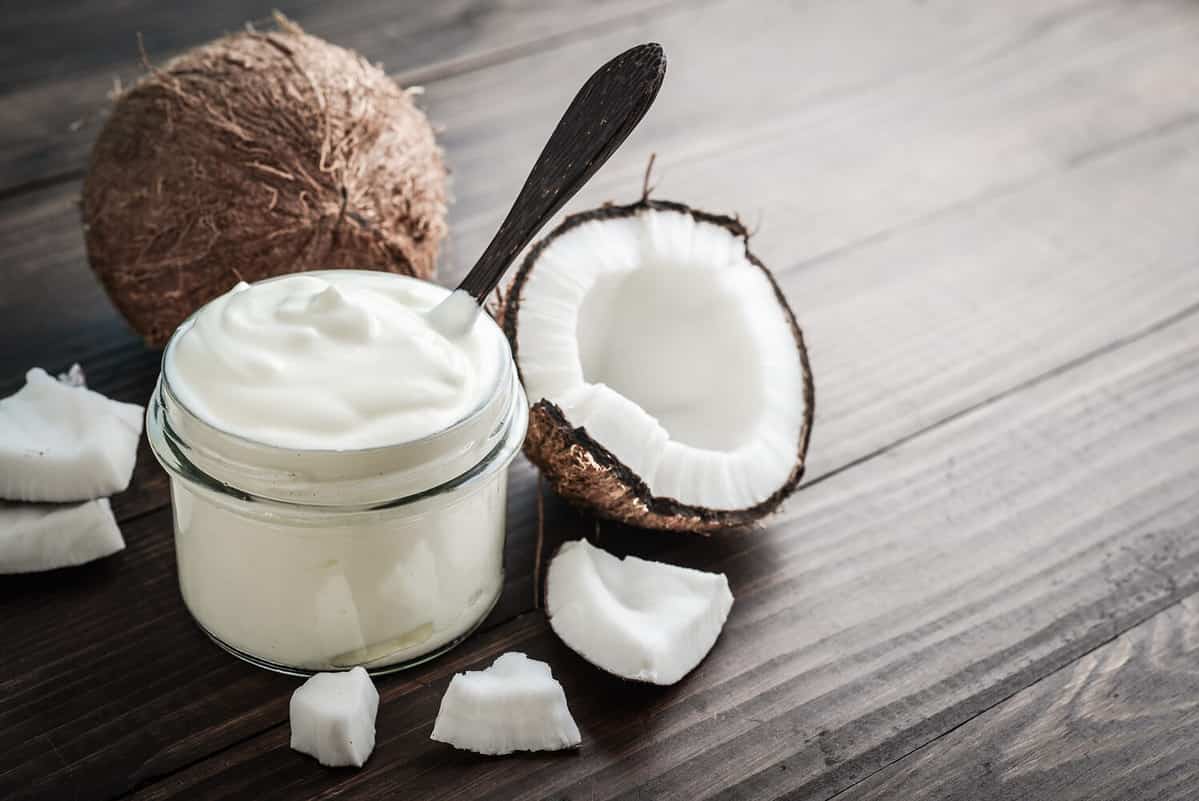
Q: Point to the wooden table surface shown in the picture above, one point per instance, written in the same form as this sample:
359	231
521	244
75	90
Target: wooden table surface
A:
986	217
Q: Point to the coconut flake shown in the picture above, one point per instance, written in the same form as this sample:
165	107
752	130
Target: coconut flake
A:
641	620
36	537
514	705
60	442
332	717
73	377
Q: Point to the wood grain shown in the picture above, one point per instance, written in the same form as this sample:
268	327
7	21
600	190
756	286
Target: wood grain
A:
1020	280
131	689
1002	193
869	146
1049	278
69	57
1120	724
909	595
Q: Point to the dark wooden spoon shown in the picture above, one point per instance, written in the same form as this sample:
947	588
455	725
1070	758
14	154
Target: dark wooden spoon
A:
599	119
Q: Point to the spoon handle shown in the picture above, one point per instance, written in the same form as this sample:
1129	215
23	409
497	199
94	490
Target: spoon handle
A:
599	119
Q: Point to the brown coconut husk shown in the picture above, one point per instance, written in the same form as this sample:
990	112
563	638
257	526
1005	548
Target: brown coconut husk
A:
258	154
585	473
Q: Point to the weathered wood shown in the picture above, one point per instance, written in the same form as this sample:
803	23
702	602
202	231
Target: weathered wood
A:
52	41
894	168
868	132
900	130
998	192
138	691
64	62
941	356
907	596
1122	723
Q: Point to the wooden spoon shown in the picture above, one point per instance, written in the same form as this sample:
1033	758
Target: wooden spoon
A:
598	120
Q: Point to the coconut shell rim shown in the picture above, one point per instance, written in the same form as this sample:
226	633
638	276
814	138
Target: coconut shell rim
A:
659	509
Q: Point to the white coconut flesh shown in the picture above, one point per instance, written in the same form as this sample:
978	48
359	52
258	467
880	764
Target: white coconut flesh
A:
641	620
658	335
42	536
514	705
332	717
60	441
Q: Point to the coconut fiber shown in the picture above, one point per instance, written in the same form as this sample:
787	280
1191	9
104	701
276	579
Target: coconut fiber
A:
258	154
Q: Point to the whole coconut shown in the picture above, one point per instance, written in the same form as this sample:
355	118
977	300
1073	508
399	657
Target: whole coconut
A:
258	154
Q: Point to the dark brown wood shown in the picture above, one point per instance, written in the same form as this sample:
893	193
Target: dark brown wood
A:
995	101
1161	175
857	129
140	691
1120	723
60	61
910	594
988	219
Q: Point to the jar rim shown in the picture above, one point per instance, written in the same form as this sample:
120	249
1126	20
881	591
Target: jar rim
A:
188	445
503	358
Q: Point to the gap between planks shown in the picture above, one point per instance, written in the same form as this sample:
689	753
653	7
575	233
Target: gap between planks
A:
432	73
1117	634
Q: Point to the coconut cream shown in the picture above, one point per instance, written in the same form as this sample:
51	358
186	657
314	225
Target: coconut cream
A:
334	360
338	469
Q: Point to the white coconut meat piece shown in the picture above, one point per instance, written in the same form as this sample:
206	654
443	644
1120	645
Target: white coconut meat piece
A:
60	442
656	334
514	705
73	377
36	537
332	717
641	620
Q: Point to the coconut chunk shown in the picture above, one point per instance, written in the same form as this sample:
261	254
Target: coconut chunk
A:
333	717
73	377
641	620
35	537
514	705
668	376
60	442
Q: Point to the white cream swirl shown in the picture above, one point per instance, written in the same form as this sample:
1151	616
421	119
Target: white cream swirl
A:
330	360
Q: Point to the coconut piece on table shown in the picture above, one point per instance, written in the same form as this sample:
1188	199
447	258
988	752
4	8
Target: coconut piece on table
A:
60	442
35	537
333	717
73	377
514	705
668	377
640	620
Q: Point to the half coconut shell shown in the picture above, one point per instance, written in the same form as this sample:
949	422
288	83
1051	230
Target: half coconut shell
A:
604	470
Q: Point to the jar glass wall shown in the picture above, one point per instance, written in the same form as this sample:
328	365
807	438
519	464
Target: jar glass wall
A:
303	561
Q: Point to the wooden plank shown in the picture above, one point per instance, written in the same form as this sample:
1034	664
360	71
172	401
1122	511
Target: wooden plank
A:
1120	723
139	691
1040	298
907	596
871	150
860	135
870	154
977	309
835	69
65	60
56	40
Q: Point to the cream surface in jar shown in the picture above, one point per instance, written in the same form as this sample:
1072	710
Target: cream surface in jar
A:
330	361
338	469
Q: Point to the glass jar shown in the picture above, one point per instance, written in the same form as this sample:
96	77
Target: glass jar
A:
302	561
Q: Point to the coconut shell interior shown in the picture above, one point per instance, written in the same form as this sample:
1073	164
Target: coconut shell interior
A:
581	470
258	154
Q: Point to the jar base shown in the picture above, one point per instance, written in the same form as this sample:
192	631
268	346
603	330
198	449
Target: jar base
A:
383	670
